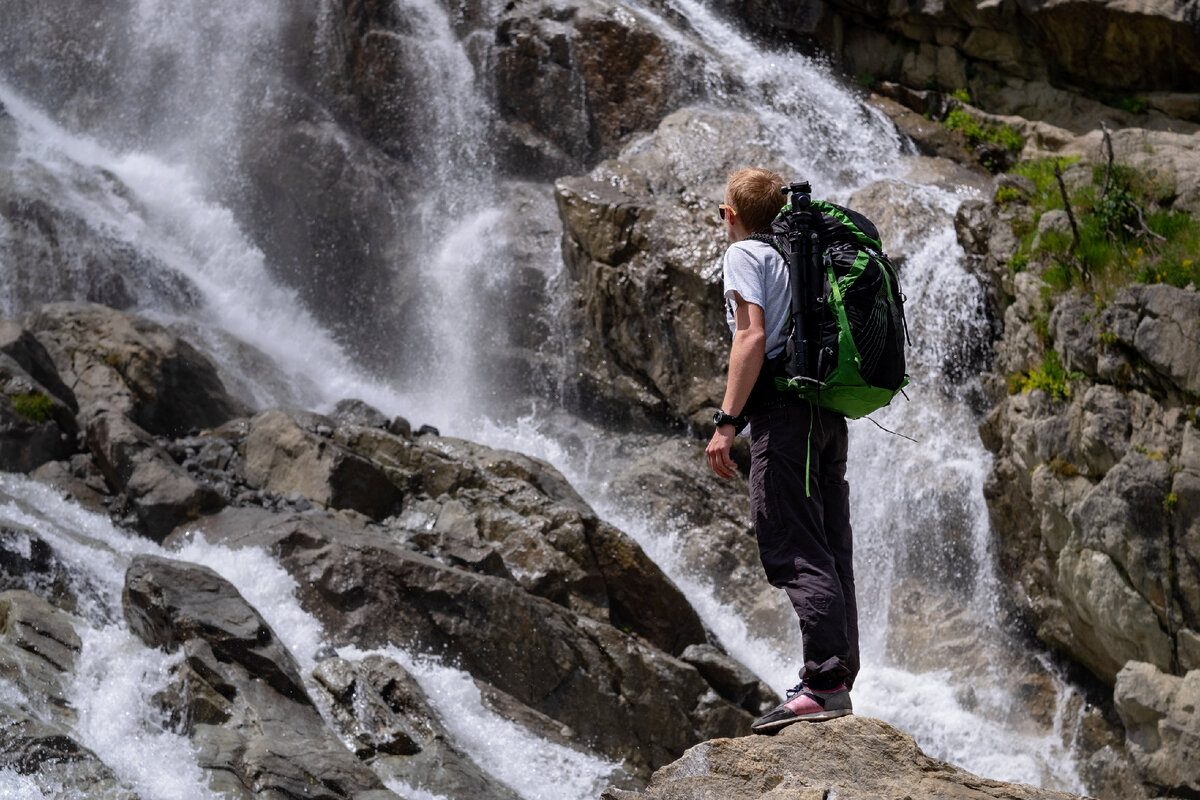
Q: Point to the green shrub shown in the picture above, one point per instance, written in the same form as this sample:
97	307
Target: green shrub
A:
961	94
1134	105
33	406
1125	235
978	132
867	80
1007	194
1050	377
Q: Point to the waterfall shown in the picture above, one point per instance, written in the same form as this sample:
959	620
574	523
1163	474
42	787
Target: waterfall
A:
146	150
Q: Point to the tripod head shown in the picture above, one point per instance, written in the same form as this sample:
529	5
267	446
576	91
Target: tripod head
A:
800	195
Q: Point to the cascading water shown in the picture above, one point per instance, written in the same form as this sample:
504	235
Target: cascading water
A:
149	167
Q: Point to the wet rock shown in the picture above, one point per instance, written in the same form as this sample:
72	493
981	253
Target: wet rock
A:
35	426
1161	713
625	698
238	692
709	519
286	453
377	705
131	366
38	647
78	479
731	679
852	758
669	366
357	412
53	759
161	493
38	651
28	562
565	78
23	347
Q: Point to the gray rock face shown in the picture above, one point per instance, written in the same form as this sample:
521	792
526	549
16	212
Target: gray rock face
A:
161	493
129	365
852	758
378	706
1162	720
669	365
238	693
573	82
1031	58
559	663
38	649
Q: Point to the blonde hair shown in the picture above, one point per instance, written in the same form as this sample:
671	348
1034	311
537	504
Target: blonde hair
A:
756	196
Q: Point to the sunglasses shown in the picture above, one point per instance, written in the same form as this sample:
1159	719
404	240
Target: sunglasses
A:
723	209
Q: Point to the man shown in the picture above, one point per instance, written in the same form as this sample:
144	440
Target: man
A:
799	497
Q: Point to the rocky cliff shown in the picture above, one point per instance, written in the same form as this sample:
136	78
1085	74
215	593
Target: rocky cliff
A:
1065	62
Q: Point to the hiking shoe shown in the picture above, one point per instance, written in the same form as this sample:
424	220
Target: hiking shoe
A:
805	704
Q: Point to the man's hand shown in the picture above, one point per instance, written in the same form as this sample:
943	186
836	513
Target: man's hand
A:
718	452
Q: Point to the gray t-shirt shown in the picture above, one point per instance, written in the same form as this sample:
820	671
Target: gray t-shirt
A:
757	272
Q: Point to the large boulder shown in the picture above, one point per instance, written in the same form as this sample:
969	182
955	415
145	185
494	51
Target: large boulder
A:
495	512
129	365
1162	720
852	758
159	493
622	696
238	693
574	81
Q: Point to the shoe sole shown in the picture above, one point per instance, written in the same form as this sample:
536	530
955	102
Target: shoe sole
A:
820	716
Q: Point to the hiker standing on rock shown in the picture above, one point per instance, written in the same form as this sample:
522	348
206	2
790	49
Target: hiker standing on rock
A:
799	497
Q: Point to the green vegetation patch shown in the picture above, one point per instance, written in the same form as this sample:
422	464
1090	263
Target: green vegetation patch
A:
33	406
1125	232
978	132
1050	377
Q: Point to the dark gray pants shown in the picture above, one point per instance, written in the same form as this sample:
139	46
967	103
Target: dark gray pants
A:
805	542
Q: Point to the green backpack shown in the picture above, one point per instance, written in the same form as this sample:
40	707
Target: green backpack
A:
845	347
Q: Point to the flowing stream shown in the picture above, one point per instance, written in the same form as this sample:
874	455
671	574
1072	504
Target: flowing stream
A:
141	164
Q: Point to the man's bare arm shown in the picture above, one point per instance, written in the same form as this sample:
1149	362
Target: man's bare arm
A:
746	358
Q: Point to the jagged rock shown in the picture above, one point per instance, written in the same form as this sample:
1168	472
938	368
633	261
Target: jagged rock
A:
380	707
294	452
565	77
625	698
38	650
731	679
496	512
852	758
57	763
710	520
38	646
238	692
35	426
134	367
162	494
669	365
28	562
23	347
1161	713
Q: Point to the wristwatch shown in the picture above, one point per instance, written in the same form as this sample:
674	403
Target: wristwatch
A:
721	418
